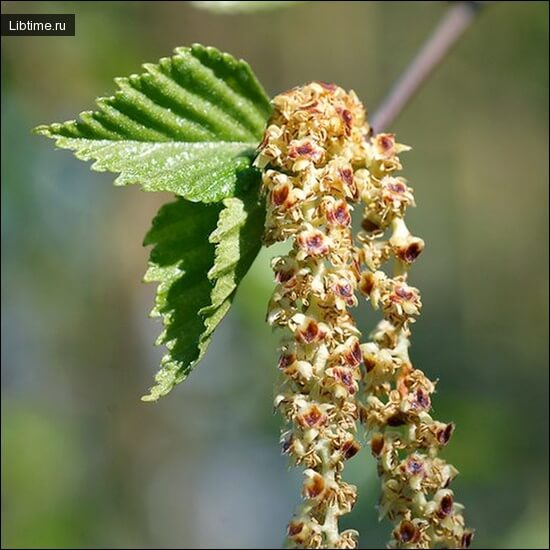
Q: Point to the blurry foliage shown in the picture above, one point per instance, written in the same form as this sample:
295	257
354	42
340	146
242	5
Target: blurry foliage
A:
85	464
241	7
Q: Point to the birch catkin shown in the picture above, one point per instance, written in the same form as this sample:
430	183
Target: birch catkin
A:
318	159
404	438
308	154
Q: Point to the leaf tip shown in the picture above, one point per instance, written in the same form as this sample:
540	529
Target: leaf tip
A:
122	81
149	398
196	46
42	130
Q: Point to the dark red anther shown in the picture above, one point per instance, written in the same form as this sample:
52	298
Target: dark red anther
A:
467	539
327	85
408	532
287	444
403	293
421	399
286	360
314	486
313	417
347	175
377	445
366	284
369	363
444	435
350	449
396	187
294	528
411	252
354	355
347	117
385	142
280	194
339	214
369	227
310	333
414	466
397	419
445	506
346	377
284	276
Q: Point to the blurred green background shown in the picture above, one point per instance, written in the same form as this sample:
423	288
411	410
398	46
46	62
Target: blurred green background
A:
85	464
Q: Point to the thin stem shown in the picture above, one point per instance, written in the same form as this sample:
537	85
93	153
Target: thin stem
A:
451	27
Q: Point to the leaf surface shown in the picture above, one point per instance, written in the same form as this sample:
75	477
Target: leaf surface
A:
198	276
188	125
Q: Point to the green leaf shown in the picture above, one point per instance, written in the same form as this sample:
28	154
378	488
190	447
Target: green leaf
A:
200	254
188	125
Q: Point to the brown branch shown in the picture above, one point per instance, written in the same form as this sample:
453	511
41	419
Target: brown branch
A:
451	27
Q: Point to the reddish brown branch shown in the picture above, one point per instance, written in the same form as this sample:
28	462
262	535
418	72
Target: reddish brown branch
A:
451	27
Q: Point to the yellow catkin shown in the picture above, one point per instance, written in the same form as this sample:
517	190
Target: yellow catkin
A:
404	438
308	156
318	158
